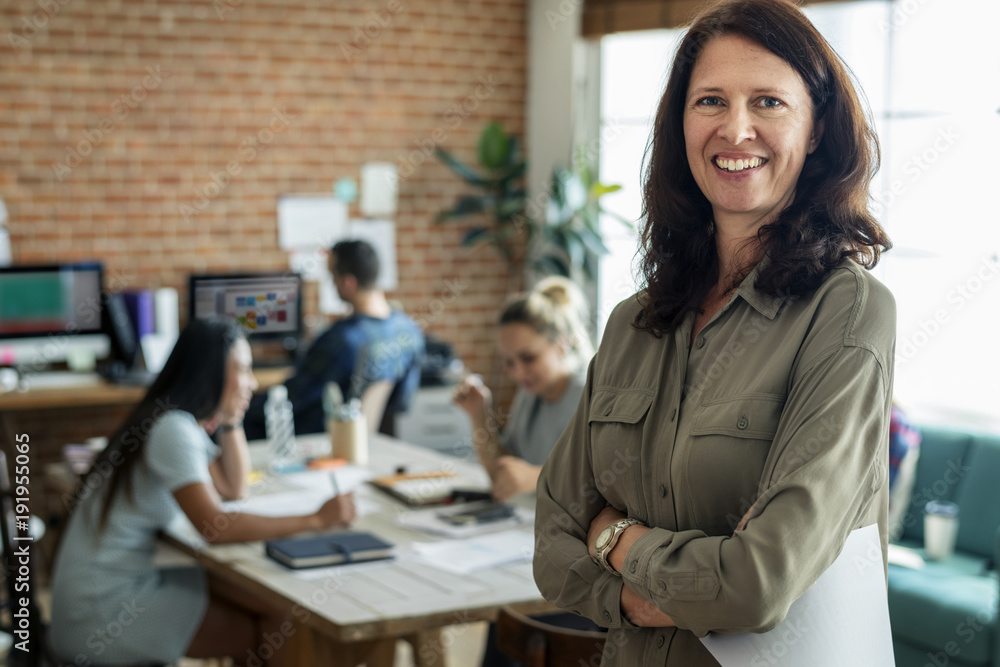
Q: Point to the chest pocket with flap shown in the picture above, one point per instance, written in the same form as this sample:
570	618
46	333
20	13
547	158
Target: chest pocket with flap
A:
752	416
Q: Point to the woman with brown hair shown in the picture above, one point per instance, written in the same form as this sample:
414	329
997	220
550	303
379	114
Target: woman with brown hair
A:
732	432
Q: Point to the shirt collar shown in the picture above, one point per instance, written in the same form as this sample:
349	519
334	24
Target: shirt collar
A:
765	304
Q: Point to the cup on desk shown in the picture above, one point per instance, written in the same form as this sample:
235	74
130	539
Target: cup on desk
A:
349	439
940	529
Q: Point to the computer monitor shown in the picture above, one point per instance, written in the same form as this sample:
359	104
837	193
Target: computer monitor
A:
48	312
264	305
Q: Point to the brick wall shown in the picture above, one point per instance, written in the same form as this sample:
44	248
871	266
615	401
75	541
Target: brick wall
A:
118	120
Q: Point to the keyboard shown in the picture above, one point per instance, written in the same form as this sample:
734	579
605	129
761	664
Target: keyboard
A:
60	379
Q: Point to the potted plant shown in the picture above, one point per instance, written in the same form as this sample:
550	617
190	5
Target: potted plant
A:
502	198
561	232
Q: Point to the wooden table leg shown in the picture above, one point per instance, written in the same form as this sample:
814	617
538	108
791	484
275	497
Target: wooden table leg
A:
311	649
428	648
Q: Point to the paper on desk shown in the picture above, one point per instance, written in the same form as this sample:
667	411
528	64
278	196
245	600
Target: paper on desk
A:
849	601
477	553
288	503
428	521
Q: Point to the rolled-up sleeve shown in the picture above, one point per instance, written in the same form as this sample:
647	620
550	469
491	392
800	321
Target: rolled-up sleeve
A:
568	499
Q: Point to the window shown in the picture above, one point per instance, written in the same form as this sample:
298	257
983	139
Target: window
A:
931	77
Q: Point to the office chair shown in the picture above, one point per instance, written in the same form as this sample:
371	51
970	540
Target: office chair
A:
538	644
374	401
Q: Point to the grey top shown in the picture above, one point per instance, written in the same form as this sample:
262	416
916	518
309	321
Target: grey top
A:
109	602
781	404
535	425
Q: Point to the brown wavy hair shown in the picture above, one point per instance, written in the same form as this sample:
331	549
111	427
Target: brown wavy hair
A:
828	219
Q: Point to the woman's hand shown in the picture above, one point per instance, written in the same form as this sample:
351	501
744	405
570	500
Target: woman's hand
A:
474	397
606	517
336	512
512	476
643	613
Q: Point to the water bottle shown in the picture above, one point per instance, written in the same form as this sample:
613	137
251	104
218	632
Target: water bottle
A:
279	425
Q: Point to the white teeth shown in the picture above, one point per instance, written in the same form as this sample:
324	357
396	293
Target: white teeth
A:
738	165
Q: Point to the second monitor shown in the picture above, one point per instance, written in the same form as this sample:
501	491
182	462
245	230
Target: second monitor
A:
264	305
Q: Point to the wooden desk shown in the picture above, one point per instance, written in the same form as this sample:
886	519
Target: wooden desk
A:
55	415
102	392
351	614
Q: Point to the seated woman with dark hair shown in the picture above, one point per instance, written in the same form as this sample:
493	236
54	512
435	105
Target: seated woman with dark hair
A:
159	464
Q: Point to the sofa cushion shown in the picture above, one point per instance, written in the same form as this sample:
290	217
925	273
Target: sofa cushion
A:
950	606
978	499
940	470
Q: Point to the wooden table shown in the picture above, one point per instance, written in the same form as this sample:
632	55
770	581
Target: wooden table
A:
352	614
94	397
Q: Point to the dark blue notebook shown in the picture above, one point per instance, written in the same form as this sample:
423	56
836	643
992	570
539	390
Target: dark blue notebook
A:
333	549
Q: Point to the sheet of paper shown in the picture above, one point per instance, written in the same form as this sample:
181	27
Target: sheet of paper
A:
381	234
277	504
849	600
305	221
477	553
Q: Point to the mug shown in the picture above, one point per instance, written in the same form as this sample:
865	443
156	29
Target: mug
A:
349	439
940	529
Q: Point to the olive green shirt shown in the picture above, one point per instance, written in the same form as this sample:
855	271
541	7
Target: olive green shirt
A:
781	404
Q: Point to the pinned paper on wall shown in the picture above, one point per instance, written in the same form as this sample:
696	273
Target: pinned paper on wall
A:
309	225
306	221
381	234
379	189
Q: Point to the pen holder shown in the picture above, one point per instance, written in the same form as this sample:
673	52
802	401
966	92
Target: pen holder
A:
349	439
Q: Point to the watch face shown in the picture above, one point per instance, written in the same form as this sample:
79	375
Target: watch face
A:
604	537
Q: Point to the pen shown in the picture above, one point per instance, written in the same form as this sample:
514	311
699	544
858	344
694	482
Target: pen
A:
333	481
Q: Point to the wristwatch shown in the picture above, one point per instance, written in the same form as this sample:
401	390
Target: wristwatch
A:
608	538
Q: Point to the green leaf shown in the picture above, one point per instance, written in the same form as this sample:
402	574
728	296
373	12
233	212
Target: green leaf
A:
589	269
465	206
620	218
463	170
598	189
552	265
593	242
494	146
477	235
574	247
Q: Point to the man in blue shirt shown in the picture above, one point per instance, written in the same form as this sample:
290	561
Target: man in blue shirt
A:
373	343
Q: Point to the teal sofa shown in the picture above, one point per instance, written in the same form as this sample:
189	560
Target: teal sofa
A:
946	614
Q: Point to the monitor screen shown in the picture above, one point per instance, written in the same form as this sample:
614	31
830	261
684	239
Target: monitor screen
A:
55	299
265	305
49	313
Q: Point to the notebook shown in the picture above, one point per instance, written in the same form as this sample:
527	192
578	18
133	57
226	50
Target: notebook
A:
332	549
423	488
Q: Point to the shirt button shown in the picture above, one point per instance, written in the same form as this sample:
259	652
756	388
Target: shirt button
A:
663	585
742	423
607	411
631	568
673	414
660	641
663	490
701	342
607	616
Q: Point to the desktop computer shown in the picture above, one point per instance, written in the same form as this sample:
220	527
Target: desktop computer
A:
50	313
266	306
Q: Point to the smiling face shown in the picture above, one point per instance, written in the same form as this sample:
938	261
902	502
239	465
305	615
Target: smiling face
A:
240	382
748	127
532	360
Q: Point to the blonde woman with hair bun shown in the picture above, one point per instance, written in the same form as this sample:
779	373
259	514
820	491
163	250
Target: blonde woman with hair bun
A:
545	347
